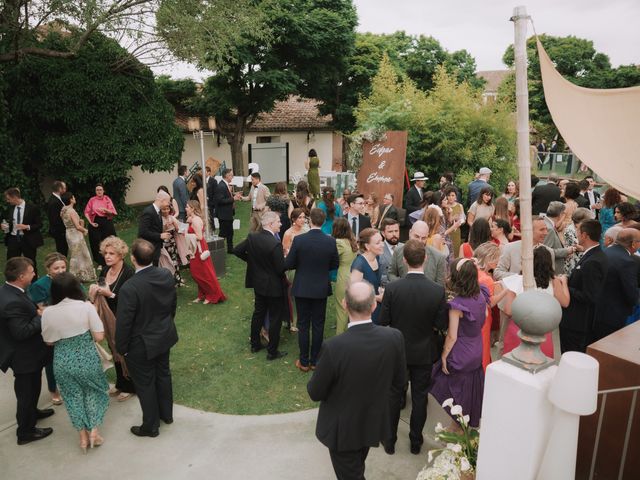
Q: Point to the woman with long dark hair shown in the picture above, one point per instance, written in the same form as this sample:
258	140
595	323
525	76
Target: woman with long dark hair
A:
479	233
313	173
302	198
482	207
610	199
330	207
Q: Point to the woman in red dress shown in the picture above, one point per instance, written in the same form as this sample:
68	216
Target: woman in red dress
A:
202	271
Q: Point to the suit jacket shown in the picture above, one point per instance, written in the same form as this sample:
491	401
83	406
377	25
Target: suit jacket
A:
313	255
384	261
511	262
415	305
31	217
212	185
180	193
21	345
386	212
224	202
473	190
363	222
265	263
552	240
261	199
412	200
434	267
619	292
56	226
150	228
542	196
146	309
585	284
582	201
355	375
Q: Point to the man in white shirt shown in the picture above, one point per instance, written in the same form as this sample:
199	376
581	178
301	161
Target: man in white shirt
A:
390	230
56	227
356	218
22	231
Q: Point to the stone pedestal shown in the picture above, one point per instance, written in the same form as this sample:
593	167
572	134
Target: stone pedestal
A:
218	250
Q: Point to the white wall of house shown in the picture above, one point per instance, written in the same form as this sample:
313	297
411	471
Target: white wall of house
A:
142	188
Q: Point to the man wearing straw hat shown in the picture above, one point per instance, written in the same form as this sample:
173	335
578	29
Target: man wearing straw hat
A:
413	199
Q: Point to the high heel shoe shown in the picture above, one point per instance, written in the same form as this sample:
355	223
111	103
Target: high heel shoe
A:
84	442
95	440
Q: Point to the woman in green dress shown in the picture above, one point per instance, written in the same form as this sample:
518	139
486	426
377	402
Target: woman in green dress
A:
347	252
72	325
313	173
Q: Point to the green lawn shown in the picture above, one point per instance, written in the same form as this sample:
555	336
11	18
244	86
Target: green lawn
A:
213	368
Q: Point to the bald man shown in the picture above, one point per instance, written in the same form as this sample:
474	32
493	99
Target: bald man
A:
619	293
150	224
434	265
354	386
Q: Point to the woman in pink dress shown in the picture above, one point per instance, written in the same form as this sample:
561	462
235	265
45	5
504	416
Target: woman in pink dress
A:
99	212
202	270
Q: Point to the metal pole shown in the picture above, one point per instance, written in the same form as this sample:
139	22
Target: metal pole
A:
520	18
205	207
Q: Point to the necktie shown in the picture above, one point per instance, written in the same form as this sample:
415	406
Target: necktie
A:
18	220
354	225
277	235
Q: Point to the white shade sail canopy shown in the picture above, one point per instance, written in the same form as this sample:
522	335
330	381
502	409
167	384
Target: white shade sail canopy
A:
602	126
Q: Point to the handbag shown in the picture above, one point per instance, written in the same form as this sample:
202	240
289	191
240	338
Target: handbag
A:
105	357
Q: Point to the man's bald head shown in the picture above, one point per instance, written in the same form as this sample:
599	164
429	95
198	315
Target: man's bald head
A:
360	301
629	238
611	235
419	231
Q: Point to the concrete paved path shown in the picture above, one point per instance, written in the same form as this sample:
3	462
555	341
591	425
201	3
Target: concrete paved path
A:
198	445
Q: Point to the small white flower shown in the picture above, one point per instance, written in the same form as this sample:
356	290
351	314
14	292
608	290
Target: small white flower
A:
447	403
430	456
439	428
454	447
464	464
456	410
466	419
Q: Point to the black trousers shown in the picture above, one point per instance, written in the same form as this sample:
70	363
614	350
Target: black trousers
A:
311	314
226	231
573	340
61	242
420	377
104	229
20	248
275	307
27	387
349	465
152	379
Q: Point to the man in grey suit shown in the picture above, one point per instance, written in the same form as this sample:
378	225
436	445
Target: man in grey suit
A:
180	192
510	261
390	230
556	212
434	265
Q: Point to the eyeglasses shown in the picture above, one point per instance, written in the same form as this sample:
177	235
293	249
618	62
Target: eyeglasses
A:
358	203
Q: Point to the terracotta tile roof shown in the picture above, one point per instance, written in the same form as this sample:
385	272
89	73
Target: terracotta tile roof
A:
293	114
493	78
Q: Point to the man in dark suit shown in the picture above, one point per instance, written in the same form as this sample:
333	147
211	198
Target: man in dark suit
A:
413	197
585	284
386	210
313	255
592	196
416	306
358	221
225	209
150	224
56	227
543	195
353	385
145	333
620	291
22	231
212	185
180	192
22	348
263	253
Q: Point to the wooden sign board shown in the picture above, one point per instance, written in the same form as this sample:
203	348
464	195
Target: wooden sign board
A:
383	165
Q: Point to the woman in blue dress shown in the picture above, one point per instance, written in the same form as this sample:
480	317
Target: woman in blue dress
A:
366	266
610	199
330	207
72	325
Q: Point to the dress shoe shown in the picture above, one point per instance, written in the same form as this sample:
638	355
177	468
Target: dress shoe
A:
301	367
276	355
257	349
167	421
139	432
37	434
389	448
415	448
47	412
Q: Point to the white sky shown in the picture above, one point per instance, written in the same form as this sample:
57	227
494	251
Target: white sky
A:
482	27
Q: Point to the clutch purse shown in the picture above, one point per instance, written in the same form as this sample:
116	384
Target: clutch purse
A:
105	357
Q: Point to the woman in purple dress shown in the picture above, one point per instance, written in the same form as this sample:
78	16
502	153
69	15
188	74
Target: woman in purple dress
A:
458	374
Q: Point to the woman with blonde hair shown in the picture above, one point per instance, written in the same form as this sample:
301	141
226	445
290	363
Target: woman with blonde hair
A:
372	208
502	210
200	265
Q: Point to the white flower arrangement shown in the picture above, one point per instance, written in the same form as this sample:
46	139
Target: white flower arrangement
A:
458	458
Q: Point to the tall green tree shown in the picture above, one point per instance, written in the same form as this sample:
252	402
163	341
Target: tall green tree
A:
87	119
299	47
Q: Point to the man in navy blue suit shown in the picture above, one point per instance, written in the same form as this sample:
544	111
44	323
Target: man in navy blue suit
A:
620	291
313	255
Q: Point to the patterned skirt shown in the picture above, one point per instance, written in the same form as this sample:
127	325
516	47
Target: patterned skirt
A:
81	381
